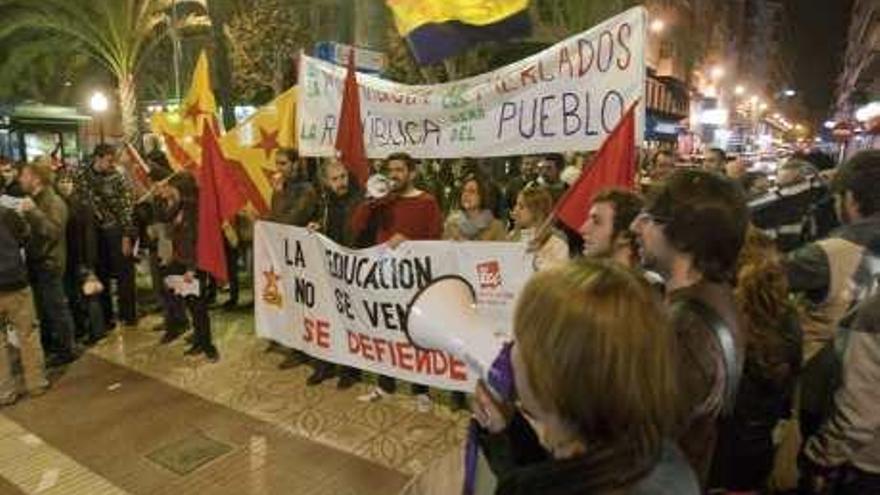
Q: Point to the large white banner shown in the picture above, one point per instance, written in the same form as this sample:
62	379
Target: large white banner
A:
349	307
565	98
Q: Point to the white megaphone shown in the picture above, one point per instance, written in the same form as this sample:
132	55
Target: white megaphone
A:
443	316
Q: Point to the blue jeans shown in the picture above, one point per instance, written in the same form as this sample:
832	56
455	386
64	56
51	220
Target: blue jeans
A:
56	322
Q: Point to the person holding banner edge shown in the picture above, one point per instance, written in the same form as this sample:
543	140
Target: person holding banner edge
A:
406	213
294	202
339	198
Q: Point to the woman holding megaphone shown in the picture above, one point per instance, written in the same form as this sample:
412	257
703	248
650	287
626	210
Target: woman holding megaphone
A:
595	402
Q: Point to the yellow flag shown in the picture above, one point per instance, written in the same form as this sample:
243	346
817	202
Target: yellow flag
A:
411	14
181	129
250	147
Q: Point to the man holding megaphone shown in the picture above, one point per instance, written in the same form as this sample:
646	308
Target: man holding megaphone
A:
399	214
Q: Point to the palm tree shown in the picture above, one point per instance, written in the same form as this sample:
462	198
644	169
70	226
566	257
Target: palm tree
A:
119	34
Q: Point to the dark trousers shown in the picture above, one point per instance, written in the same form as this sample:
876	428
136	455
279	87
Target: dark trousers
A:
197	307
87	312
232	255
858	482
112	265
56	322
388	384
173	313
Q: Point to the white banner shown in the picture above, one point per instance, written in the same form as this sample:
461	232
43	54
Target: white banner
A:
565	98
349	307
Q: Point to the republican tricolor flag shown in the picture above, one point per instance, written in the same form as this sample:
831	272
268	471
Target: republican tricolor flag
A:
437	29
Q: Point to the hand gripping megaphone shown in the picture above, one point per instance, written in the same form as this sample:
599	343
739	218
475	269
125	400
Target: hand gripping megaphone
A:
443	316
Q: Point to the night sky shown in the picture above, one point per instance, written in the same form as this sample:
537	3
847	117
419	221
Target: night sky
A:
817	33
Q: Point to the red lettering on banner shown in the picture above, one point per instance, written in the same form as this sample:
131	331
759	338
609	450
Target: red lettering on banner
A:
528	74
317	332
322	328
423	361
405	355
367	348
354	345
307	330
544	77
441	364
457	370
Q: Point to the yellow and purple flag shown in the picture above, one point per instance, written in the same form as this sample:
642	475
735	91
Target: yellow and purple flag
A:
437	29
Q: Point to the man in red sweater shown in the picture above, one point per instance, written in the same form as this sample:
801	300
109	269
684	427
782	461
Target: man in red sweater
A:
406	213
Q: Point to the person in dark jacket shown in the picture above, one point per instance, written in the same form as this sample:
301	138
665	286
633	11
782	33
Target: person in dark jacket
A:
295	201
181	272
745	453
593	366
690	232
46	254
17	310
111	195
339	200
833	274
82	256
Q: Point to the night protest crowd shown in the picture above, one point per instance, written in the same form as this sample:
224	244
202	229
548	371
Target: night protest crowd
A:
710	333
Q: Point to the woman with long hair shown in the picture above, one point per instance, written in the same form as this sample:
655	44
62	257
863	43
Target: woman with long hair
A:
744	456
594	371
474	219
534	206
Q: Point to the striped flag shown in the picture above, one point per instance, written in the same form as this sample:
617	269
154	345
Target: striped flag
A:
437	29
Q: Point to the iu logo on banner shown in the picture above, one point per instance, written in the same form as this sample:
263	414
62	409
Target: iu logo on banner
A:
489	274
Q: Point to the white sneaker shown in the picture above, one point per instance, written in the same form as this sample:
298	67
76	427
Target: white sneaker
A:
423	403
374	395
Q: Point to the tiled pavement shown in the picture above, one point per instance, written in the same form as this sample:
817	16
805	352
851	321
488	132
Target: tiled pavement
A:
130	397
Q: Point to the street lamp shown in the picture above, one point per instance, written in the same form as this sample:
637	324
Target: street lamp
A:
99	104
790	92
657	26
739	90
717	72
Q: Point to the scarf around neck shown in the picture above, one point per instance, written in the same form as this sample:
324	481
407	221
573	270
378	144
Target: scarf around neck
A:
471	227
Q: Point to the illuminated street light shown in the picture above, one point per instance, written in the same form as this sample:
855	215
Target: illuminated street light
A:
717	72
762	106
790	92
829	124
657	26
777	116
99	104
739	90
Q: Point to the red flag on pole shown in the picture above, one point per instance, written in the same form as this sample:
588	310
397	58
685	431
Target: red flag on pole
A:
350	138
220	199
613	166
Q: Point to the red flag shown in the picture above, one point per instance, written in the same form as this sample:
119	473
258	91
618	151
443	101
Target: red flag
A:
614	165
350	138
140	171
220	199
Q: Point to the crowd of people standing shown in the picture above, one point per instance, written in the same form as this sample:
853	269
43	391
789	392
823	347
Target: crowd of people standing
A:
660	349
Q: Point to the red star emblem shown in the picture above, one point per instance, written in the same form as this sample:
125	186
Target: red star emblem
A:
193	111
268	141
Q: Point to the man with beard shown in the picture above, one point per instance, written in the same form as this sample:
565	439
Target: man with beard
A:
340	199
691	232
407	213
606	232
